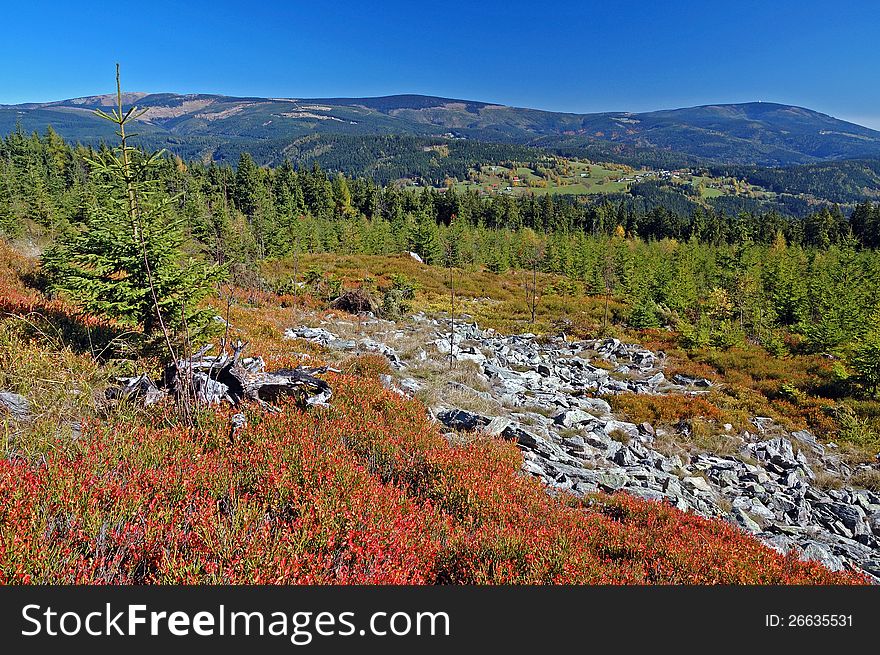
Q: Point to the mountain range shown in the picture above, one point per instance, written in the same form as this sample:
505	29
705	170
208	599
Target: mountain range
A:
219	127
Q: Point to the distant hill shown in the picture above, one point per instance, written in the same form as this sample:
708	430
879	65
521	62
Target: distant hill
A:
214	126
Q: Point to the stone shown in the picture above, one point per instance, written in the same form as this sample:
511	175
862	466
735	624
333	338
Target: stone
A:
697	483
806	437
315	335
874	523
584	488
820	553
14	405
630	429
596	404
462	420
852	516
781	543
687	381
754	507
572	418
598	440
644	359
498	425
410	386
672	487
612	481
523	437
727	478
746	521
373	346
625	457
470	353
611	449
762	422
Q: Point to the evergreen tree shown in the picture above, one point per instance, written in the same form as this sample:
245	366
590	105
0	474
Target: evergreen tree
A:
644	315
425	239
342	196
9	226
247	185
865	355
128	263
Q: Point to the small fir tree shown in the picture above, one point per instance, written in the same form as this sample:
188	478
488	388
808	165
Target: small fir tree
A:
127	263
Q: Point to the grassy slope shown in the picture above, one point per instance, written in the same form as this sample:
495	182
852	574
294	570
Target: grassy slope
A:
367	491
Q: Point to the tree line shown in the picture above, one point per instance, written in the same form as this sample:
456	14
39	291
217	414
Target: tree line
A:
49	183
717	278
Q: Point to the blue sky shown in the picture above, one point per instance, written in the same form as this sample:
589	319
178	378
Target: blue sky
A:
585	56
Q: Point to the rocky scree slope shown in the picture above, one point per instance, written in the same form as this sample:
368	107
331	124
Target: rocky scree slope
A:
546	398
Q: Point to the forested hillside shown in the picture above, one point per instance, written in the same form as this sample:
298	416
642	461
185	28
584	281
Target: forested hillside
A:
47	182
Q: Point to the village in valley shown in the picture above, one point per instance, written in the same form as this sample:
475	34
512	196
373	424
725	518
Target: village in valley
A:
571	176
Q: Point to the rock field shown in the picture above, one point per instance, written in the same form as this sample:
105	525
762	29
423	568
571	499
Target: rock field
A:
549	394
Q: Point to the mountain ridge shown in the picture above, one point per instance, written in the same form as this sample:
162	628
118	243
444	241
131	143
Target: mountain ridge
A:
750	133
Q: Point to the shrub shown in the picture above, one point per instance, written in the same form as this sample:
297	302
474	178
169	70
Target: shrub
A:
355	301
369	365
854	429
868	479
366	492
667	410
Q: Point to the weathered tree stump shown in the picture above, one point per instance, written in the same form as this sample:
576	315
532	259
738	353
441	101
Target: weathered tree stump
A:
211	380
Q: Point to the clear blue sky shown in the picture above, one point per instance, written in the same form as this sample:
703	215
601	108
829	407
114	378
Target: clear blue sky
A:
583	56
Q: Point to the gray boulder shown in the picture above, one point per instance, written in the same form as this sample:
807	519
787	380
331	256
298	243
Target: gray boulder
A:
820	553
572	418
14	405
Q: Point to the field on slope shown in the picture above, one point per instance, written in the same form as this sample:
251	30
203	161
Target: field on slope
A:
365	491
576	177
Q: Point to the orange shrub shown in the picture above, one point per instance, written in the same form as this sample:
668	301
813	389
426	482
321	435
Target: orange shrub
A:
369	365
664	409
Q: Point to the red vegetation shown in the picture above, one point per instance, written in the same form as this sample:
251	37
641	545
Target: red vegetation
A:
18	300
365	492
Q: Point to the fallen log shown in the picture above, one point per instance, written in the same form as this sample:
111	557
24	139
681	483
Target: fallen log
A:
211	380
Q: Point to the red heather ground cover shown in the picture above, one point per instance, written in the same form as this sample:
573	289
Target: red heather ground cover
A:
367	491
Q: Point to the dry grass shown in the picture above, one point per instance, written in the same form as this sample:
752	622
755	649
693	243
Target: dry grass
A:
61	386
463	386
704	436
869	479
497	301
825	480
